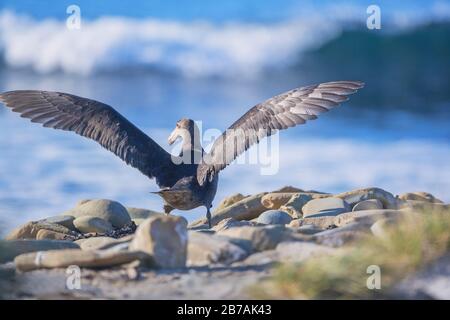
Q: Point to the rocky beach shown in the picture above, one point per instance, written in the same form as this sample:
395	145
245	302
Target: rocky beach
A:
152	101
288	243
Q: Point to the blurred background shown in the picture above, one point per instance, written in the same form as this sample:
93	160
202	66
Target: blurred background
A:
158	61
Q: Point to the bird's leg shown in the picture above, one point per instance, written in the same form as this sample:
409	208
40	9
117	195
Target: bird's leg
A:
167	208
208	216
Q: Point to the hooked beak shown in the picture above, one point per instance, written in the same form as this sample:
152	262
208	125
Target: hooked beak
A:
173	136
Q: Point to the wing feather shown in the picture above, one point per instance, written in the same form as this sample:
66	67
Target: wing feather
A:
280	112
97	121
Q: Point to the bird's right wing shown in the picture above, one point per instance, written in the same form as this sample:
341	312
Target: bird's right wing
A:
277	113
97	121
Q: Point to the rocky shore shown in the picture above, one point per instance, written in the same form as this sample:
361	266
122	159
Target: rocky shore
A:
136	253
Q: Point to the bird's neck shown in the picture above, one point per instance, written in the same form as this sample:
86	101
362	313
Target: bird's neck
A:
192	148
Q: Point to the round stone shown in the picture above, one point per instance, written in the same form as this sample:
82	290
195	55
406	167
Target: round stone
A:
274	217
108	210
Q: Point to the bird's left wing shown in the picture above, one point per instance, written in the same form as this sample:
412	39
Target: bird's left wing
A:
280	112
96	121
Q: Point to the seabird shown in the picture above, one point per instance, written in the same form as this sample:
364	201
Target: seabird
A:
189	180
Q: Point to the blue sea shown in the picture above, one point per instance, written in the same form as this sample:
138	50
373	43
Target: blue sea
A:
159	61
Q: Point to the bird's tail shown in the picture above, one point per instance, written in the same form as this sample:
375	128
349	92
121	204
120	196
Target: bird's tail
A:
170	191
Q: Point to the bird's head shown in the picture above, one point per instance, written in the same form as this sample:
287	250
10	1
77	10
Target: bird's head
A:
185	129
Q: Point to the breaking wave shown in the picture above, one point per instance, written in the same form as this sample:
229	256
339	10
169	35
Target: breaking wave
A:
117	43
194	49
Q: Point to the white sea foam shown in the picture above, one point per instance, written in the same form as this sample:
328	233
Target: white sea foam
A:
192	49
188	48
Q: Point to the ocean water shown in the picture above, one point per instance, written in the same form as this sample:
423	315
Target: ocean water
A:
158	61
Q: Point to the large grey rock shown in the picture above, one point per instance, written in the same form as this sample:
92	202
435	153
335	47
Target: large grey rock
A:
13	248
274	217
355	196
371	204
164	239
329	206
111	211
65	258
205	249
87	224
260	237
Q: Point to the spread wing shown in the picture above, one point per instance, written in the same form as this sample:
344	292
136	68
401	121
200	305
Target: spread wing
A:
280	112
97	121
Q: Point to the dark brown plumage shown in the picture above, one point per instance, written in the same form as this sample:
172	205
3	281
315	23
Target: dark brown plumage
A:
97	121
184	185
